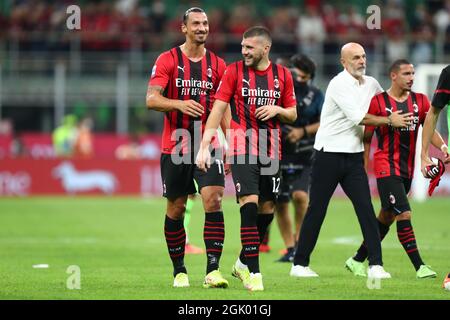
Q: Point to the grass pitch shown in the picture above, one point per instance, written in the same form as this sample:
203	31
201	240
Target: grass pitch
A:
119	246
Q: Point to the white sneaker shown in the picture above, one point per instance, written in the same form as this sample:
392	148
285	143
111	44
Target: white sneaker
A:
377	272
254	282
302	272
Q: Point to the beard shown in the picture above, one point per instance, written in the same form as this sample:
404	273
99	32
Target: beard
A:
255	61
198	40
359	72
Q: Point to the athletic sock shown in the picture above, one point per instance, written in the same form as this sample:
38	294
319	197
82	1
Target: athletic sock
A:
213	235
406	236
265	240
362	253
250	237
176	240
263	222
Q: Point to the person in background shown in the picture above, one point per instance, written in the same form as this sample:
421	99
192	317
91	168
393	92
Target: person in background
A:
84	143
297	149
64	137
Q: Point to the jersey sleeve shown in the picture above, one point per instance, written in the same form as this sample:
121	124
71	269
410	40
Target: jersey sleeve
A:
162	71
288	98
374	109
227	85
221	68
441	95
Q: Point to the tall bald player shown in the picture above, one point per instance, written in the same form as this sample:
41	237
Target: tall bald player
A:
183	84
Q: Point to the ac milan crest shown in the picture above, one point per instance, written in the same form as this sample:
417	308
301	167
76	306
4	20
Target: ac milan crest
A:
276	83
391	199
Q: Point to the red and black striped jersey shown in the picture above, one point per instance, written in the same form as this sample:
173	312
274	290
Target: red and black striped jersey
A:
184	79
247	89
396	148
441	96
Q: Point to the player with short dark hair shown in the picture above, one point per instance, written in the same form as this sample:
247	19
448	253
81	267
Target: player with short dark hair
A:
297	146
260	94
183	84
394	163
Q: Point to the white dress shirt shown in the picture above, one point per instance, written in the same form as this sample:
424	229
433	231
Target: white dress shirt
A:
346	103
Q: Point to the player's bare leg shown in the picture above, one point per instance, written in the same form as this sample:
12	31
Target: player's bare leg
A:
301	200
285	226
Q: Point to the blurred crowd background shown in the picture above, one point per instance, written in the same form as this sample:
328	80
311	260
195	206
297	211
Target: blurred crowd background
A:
101	72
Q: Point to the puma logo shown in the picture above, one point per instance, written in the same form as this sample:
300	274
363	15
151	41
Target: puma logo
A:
182	69
388	109
246	81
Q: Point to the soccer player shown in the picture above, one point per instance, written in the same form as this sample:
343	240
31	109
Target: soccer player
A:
261	94
394	163
297	148
183	83
441	98
338	159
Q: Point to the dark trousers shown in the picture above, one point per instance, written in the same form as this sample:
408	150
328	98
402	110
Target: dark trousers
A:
347	169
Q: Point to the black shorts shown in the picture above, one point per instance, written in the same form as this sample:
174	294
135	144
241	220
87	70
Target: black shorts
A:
178	179
296	178
248	180
393	193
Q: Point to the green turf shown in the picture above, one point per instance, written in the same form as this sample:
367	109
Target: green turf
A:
119	246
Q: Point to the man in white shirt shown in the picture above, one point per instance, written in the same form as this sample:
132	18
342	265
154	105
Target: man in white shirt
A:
339	159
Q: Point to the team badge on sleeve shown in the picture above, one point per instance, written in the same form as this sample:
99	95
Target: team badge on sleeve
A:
392	199
153	71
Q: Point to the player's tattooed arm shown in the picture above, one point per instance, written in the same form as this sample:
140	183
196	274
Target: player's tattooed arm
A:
156	101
